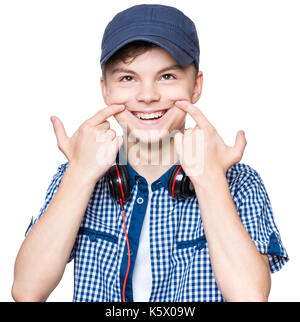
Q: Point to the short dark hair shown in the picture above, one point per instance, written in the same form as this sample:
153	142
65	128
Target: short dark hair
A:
128	53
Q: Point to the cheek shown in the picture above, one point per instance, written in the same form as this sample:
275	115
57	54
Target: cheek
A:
119	96
177	121
176	93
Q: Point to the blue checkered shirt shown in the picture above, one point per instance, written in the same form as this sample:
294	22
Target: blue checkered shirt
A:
180	261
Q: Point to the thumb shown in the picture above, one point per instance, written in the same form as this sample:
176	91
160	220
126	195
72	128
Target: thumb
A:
240	145
60	133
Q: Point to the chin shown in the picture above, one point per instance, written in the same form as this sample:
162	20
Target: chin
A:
146	136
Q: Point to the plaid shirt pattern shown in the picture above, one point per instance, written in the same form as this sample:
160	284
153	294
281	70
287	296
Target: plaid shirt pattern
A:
180	261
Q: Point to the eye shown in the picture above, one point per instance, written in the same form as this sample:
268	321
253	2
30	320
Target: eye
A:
126	78
168	76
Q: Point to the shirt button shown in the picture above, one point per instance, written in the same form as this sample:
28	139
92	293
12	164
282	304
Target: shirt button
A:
92	237
140	200
131	253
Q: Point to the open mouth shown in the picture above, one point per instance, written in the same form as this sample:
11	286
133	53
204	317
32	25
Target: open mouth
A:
149	118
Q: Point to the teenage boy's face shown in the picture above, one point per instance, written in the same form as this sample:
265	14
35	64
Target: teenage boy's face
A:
151	83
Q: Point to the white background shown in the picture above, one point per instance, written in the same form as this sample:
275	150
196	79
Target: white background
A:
49	65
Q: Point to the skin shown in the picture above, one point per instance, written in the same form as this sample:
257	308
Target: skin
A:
241	272
143	87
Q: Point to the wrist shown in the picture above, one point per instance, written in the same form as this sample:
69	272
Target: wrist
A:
210	179
212	188
79	176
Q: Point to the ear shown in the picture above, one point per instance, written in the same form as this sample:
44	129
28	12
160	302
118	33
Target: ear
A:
105	91
197	87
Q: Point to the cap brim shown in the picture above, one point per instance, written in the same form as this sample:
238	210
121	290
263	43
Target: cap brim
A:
181	57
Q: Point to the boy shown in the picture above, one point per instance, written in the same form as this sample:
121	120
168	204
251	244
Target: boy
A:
218	245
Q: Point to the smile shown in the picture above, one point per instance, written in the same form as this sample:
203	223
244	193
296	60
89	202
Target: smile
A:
152	118
149	116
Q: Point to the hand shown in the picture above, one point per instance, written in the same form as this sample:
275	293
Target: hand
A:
93	147
201	150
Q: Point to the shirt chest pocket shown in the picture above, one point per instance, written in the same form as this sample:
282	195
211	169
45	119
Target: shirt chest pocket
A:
96	249
95	235
198	243
187	257
96	263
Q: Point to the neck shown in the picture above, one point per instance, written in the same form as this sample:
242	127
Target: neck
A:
151	159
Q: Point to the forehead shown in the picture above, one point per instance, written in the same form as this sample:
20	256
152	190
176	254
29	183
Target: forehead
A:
153	59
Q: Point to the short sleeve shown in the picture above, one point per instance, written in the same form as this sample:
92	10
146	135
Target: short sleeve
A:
254	208
50	193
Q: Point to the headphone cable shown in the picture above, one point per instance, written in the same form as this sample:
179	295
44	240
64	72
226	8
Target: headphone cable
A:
128	250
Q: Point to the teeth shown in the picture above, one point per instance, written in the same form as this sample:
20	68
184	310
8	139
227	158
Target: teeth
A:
147	116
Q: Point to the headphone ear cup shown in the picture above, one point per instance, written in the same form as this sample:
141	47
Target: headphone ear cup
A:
174	182
179	183
116	187
187	187
125	182
109	178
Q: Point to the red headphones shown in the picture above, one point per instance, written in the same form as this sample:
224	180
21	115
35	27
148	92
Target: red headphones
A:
117	179
179	184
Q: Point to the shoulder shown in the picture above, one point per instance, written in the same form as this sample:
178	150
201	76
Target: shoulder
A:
241	170
242	177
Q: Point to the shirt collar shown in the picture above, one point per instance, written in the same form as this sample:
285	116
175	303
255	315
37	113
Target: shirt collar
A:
135	177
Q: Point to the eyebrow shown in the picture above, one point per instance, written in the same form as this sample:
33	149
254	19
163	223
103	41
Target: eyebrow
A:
129	71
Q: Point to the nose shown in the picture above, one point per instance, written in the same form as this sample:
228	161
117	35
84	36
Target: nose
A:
148	93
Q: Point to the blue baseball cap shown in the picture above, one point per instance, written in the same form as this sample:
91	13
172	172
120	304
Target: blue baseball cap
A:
162	25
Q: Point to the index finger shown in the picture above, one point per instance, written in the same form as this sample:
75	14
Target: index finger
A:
105	113
196	114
